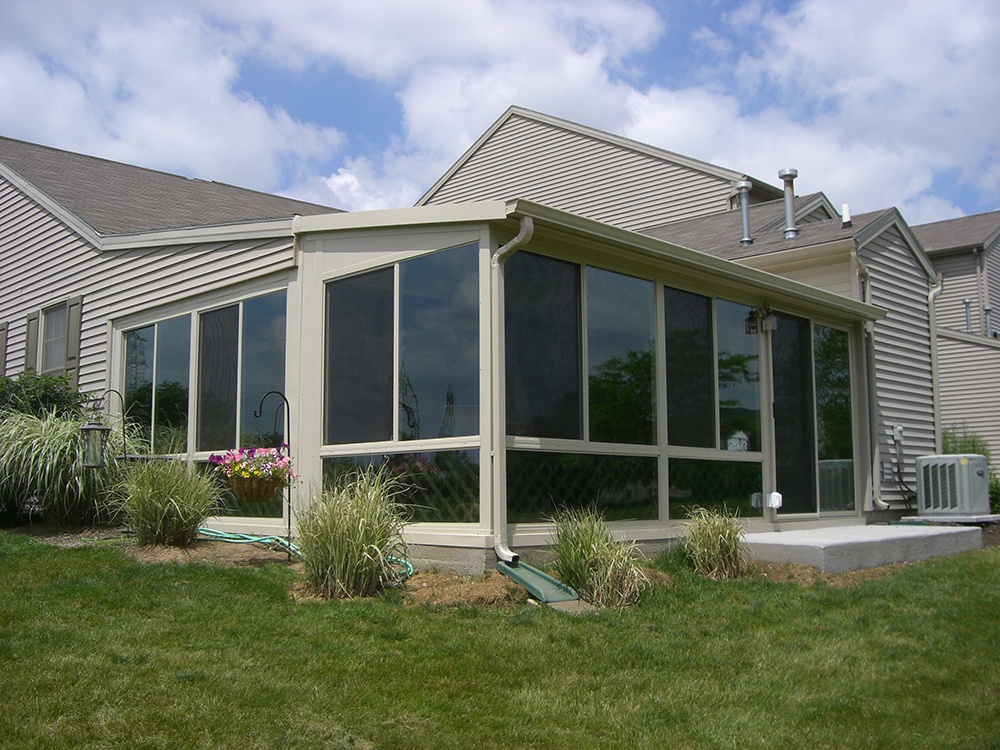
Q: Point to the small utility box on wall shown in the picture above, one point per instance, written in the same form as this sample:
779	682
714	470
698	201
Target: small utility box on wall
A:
953	485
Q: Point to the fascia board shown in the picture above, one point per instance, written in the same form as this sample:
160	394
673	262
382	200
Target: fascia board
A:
699	264
447	213
66	217
801	256
192	235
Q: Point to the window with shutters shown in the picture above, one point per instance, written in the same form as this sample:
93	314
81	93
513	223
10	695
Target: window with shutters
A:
52	339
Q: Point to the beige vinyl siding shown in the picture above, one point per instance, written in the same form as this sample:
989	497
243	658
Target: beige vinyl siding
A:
902	354
835	275
961	282
590	177
992	263
969	368
45	263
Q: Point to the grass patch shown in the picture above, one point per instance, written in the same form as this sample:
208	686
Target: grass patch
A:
101	651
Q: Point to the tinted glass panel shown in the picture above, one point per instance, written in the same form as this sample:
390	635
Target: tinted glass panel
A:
835	442
542	298
795	453
173	359
359	358
690	369
218	364
139	378
439	345
735	486
739	389
263	360
620	337
439	487
621	487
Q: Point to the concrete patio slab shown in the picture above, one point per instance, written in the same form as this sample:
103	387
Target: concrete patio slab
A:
839	549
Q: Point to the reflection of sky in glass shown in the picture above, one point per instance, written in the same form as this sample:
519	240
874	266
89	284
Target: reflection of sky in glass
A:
619	316
738	370
263	365
173	351
439	344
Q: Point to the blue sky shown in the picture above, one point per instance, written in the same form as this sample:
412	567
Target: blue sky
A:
363	105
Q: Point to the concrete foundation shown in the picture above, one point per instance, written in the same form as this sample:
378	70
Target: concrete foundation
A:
844	548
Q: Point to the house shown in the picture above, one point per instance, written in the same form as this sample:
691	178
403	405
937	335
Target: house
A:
966	252
504	356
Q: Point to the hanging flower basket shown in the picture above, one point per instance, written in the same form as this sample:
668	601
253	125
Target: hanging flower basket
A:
255	489
255	474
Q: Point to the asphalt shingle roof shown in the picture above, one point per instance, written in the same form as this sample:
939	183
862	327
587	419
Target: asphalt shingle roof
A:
720	234
115	198
967	231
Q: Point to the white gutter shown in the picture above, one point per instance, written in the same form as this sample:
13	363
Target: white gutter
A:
498	454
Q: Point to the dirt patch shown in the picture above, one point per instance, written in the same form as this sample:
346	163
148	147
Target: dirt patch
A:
805	575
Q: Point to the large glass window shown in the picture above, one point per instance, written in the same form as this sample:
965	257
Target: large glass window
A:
543	343
262	360
218	370
794	437
739	378
736	486
438	369
438	345
359	330
690	373
159	354
834	432
620	358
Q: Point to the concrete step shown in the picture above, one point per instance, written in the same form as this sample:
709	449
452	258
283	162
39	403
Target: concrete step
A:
839	549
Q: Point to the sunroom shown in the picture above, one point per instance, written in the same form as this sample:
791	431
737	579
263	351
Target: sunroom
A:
506	360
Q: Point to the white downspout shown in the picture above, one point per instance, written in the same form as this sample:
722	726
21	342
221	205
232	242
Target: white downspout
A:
932	296
866	285
499	395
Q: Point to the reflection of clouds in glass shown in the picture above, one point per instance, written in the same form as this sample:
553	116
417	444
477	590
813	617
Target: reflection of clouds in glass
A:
263	360
620	316
439	338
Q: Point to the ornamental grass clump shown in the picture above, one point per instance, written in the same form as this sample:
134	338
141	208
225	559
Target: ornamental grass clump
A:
604	572
42	468
713	543
351	537
165	502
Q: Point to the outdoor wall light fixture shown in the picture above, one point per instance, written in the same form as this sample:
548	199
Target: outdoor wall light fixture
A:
760	319
95	435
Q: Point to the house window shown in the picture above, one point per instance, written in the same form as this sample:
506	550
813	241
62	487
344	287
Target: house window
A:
241	356
54	328
428	387
156	386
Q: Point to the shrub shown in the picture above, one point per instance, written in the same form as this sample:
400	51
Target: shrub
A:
31	393
165	501
958	438
351	537
43	468
588	559
713	544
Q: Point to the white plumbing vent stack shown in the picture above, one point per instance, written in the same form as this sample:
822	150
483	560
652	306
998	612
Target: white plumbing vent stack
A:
845	212
744	187
788	177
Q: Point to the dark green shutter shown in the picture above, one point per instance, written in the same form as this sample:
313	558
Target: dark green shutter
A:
74	310
3	349
31	341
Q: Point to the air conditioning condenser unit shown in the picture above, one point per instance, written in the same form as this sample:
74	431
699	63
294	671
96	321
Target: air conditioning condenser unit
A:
953	485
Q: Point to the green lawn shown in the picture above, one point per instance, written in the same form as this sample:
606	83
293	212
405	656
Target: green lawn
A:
98	650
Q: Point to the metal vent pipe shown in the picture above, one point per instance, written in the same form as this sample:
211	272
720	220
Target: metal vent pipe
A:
788	177
744	187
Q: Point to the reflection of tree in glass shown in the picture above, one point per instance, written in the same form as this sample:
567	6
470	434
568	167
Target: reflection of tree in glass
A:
833	394
622	407
736	414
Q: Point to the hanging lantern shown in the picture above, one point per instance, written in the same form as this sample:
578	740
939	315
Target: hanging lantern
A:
95	440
